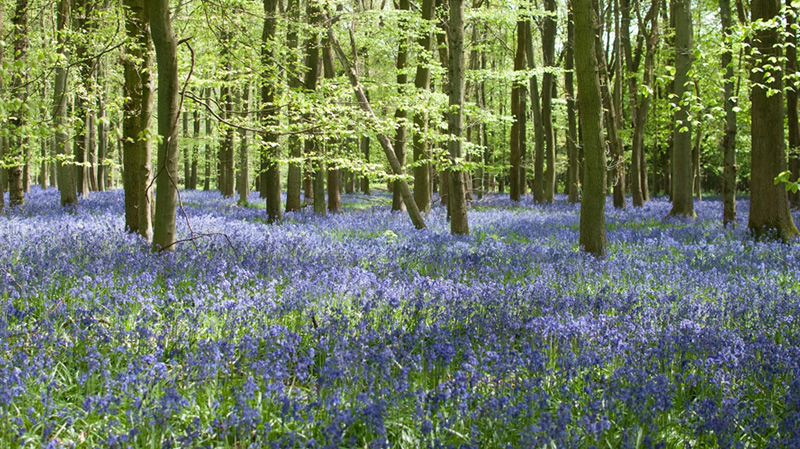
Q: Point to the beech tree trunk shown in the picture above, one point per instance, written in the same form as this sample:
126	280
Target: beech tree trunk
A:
548	85
518	113
294	174
791	101
422	81
138	88
592	221
573	175
243	175
168	110
271	150
455	121
682	201
16	189
769	205
400	114
65	170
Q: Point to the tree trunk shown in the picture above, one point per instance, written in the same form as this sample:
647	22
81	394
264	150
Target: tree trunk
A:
195	150
769	205
16	193
187	150
573	175
518	113
271	149
422	81
682	201
333	173
592	221
243	179
791	101
729	140
102	128
294	175
168	110
226	176
138	89
364	143
548	85
311	148
209	147
455	121
400	114
66	172
538	128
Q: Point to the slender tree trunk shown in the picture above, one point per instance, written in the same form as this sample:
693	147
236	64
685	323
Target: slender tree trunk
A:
294	175
548	85
518	113
364	143
334	181
729	140
769	205
195	150
311	148
422	81
455	122
538	128
66	172
791	101
592	221
16	194
573	175
226	175
102	128
243	179
682	202
138	89
400	114
386	144
271	149
209	147
168	111
187	150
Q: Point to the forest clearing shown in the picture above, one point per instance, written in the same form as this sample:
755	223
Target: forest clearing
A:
357	330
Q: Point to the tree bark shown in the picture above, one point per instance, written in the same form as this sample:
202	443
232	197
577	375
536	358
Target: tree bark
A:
65	170
243	179
538	129
518	113
168	111
271	148
769	205
729	140
573	175
455	122
682	201
138	88
333	173
592	221
400	114
294	175
16	191
791	101
422	81
548	85
226	176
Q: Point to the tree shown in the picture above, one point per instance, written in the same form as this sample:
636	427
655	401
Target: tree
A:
243	179
294	175
386	144
422	81
401	114
792	120
769	204
682	179
592	221
137	63
66	173
573	174
16	195
518	113
166	47
548	85
271	149
455	120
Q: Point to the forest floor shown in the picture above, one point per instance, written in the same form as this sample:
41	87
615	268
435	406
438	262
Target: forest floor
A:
355	330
